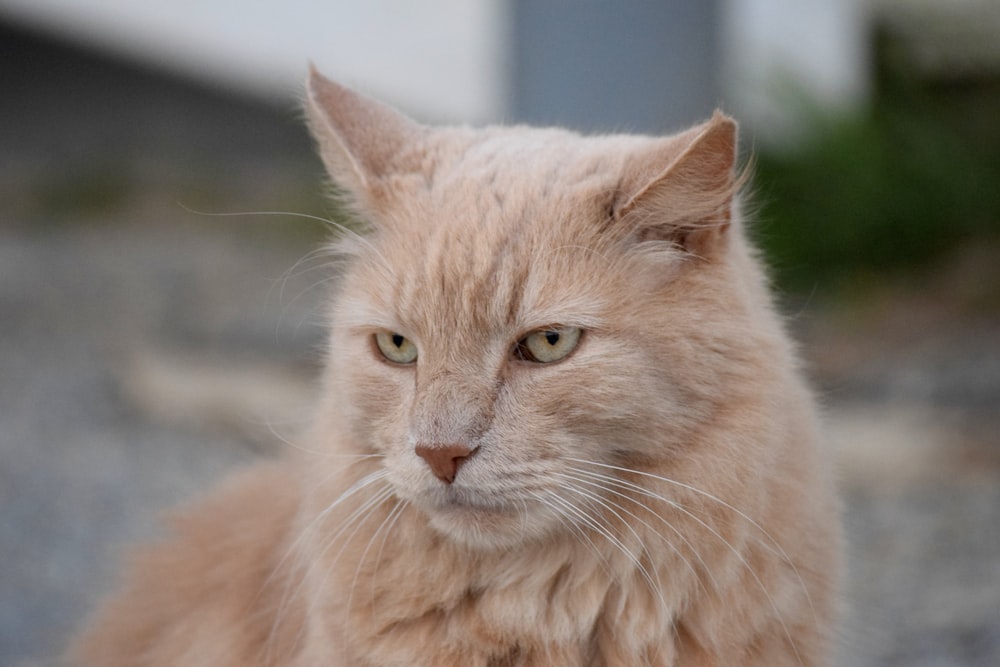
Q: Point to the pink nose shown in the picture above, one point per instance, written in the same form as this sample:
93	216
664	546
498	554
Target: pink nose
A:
444	459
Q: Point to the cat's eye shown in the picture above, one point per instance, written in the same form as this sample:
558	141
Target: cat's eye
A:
395	347
547	345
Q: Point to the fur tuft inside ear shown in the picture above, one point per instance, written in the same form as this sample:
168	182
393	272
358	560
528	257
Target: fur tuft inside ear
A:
689	201
360	140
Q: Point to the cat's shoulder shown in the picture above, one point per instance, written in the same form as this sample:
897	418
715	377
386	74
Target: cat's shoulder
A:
215	579
262	497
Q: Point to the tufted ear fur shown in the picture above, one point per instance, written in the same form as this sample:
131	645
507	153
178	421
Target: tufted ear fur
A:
361	141
689	201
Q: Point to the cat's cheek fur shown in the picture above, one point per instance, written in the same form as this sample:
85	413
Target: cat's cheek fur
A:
380	393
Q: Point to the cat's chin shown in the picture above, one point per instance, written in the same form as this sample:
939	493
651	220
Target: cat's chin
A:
482	526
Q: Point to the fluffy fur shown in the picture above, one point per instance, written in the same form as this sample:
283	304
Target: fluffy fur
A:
656	497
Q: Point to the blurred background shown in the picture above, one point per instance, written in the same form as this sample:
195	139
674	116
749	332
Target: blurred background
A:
161	300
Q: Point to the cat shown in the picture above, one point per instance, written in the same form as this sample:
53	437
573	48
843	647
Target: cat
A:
560	424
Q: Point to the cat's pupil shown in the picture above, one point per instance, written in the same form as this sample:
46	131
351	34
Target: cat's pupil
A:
552	337
397	340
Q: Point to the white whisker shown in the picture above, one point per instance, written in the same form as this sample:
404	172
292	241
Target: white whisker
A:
289	595
397	510
386	523
655	588
570	523
775	547
592	523
739	556
678	533
385	265
356	520
322	454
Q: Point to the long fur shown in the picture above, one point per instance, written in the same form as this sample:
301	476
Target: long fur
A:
657	497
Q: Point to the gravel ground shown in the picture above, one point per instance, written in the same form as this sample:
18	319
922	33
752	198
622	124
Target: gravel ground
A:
96	437
140	362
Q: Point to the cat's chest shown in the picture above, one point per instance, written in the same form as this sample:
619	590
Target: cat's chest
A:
531	608
401	596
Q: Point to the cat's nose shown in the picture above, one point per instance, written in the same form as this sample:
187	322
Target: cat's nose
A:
444	459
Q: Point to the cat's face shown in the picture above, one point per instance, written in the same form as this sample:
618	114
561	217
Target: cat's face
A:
519	312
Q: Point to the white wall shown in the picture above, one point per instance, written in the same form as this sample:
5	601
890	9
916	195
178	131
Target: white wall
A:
448	60
781	54
440	59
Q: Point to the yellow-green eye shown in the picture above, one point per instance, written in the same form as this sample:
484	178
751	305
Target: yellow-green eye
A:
395	347
549	344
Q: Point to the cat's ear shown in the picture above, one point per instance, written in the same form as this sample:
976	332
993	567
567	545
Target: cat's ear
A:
360	140
682	188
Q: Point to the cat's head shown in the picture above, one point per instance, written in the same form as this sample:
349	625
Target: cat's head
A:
529	303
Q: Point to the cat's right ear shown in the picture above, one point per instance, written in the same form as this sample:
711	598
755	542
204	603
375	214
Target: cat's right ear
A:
682	188
360	140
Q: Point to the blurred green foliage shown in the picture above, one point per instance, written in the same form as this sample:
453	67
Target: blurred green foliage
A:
82	190
888	190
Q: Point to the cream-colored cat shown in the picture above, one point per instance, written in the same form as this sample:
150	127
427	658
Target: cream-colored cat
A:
560	425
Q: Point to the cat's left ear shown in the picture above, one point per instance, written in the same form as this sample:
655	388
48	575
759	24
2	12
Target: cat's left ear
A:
361	141
682	189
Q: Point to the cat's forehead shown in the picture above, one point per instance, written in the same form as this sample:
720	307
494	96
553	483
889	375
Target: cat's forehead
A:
501	230
510	185
507	186
524	165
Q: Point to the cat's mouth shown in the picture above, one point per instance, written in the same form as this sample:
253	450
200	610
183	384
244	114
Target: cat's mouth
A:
464	499
476	518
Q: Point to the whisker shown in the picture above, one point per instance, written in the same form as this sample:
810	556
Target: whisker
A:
286	305
355	519
606	533
775	547
677	532
299	268
315	452
753	574
394	514
232	214
570	523
776	550
329	222
387	521
655	588
304	534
